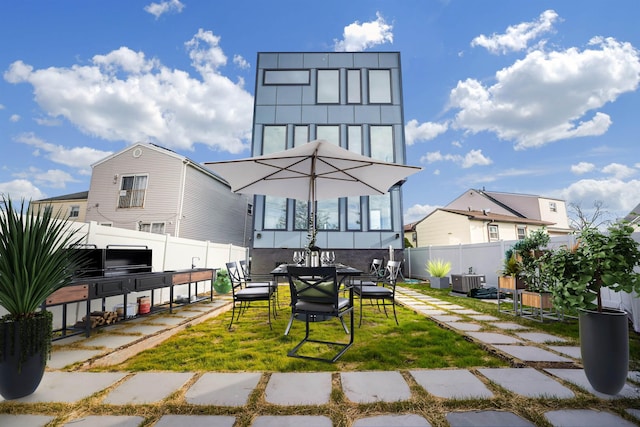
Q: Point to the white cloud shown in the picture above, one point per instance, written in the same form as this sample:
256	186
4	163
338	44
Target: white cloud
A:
19	189
547	97
582	168
415	132
472	158
124	96
53	178
417	212
159	9
14	118
517	37
358	37
241	62
619	171
618	196
80	158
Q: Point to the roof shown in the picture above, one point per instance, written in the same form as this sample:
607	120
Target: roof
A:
82	195
488	216
634	216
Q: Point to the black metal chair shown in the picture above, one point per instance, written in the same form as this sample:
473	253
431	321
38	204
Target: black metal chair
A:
244	295
381	290
253	280
315	297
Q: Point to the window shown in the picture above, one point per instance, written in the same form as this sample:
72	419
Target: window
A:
553	207
274	139
493	232
328	87
152	227
74	211
380	212
132	191
354	214
354	139
379	87
275	213
286	77
382	143
300	135
329	133
301	215
521	232
328	215
353	87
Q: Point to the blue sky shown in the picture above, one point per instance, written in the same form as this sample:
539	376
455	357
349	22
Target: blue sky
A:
535	97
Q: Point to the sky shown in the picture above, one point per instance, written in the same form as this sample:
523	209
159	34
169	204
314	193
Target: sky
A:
530	97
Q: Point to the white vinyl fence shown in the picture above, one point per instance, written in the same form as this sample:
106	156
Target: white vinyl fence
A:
486	259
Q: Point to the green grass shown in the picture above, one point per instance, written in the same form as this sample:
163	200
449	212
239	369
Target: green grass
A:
380	344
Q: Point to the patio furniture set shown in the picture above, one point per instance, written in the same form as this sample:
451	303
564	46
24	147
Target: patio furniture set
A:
317	294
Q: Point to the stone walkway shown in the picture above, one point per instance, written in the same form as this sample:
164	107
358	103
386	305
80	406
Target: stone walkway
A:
544	367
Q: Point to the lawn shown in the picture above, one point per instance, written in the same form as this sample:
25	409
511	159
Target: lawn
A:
380	344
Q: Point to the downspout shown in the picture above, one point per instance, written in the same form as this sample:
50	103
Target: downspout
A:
183	179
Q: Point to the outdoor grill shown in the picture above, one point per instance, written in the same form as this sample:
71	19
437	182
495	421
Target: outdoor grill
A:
118	271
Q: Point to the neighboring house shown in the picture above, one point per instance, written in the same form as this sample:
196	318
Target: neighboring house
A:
70	206
633	217
352	99
149	188
410	233
480	216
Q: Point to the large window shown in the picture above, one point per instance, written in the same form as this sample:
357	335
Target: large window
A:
274	139
379	86
74	211
521	232
275	213
328	87
300	135
152	227
353	87
329	133
380	212
132	191
354	215
494	234
301	215
286	77
327	215
382	143
354	141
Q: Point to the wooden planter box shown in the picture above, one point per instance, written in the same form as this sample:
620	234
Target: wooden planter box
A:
537	300
510	282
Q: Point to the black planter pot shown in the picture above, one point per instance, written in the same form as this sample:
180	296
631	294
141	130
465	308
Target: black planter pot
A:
604	345
25	349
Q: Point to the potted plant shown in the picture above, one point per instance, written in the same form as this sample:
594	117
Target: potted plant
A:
509	277
222	284
537	288
34	263
438	270
599	259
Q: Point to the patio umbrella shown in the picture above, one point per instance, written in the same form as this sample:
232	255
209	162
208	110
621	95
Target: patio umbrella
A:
314	171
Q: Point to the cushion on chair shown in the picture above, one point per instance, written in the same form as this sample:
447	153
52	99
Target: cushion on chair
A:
257	292
320	308
374	291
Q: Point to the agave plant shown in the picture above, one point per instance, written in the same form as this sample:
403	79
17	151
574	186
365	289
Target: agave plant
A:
34	257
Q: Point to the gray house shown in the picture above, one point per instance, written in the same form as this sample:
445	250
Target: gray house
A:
353	99
146	187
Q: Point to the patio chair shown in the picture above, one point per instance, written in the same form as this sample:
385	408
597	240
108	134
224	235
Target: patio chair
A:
382	292
253	281
244	295
315	297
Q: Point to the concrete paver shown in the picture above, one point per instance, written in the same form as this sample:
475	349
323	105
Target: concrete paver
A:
407	420
112	341
308	388
370	387
8	420
586	418
147	387
493	338
106	421
223	389
571	351
196	421
539	337
465	326
447	318
527	382
292	421
531	354
452	384
509	326
484	317
486	419
60	359
579	378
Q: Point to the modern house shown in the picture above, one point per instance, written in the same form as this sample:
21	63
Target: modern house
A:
480	216
73	206
146	187
351	99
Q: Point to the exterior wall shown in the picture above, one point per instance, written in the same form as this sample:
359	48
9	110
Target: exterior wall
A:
295	104
165	179
210	211
443	228
63	207
560	217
